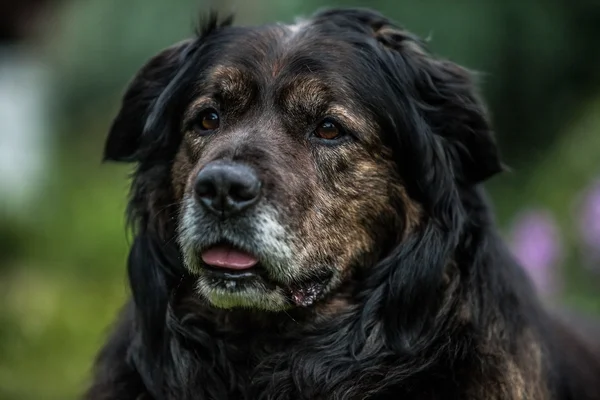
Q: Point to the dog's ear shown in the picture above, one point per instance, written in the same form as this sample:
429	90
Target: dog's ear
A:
146	269
137	132
126	136
154	268
458	115
448	100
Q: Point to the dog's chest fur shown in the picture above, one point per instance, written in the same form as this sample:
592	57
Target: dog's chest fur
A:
249	359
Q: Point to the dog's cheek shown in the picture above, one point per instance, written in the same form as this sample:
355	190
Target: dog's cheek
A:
384	201
405	211
184	167
377	211
347	199
179	175
159	201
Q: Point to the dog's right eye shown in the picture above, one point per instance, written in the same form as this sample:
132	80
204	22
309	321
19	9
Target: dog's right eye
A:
208	120
328	130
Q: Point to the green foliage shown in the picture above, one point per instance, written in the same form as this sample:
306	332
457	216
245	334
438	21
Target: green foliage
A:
60	294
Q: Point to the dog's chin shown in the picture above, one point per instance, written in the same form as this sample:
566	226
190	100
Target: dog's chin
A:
248	293
253	289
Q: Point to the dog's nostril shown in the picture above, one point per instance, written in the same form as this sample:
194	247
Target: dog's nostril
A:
227	188
205	188
244	191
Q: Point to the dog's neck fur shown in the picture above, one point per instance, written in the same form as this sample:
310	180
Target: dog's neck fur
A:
489	332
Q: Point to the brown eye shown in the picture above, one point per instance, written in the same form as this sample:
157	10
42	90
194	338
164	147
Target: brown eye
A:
209	120
328	130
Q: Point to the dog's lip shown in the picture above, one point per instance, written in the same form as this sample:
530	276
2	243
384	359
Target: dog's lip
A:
249	276
231	274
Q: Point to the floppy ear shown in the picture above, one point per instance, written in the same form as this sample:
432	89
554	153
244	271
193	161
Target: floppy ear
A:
448	100
136	131
126	136
153	270
458	115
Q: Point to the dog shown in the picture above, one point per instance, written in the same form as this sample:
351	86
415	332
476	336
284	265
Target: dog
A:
310	223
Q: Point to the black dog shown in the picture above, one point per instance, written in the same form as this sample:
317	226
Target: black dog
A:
309	225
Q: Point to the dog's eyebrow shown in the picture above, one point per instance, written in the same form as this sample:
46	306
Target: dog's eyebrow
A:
232	82
224	83
304	93
312	95
357	123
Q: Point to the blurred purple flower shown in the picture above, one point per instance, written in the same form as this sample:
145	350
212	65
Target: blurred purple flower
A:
535	242
589	222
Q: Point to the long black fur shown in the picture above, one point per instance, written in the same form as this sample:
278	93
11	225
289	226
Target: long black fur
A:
422	316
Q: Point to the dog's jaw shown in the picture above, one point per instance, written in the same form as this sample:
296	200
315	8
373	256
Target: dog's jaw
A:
264	236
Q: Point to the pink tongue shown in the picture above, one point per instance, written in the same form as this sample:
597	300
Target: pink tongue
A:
228	257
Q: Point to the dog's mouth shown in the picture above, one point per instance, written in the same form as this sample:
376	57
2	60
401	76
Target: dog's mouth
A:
229	268
228	258
232	266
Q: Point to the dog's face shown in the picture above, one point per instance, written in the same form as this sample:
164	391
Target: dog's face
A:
279	147
284	182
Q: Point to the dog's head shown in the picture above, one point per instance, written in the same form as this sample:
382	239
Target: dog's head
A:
283	158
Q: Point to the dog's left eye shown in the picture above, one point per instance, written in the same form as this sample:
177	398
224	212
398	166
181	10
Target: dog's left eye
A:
208	120
328	130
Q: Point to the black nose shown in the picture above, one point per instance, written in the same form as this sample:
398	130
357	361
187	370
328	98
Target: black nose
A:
227	188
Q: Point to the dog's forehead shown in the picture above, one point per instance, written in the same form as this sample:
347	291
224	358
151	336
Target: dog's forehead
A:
303	68
301	43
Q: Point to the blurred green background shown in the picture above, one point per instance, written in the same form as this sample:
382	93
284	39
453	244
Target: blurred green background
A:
64	64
